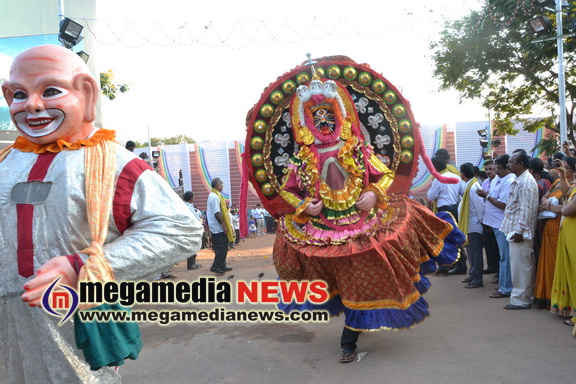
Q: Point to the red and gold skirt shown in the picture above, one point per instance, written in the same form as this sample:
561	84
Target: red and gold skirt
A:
376	280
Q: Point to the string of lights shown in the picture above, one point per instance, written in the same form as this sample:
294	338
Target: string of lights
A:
241	34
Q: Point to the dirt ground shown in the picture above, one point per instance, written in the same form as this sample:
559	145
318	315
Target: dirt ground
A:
248	253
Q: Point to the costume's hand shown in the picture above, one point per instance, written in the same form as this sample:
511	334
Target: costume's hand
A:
315	207
366	201
50	271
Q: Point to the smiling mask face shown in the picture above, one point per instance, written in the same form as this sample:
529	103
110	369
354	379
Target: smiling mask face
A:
49	96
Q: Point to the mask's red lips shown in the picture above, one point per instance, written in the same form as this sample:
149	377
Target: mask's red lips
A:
39	122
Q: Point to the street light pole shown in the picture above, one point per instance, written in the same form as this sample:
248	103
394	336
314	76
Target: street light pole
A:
561	79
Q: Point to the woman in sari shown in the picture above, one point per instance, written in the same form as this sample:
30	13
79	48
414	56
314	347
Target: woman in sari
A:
547	256
564	286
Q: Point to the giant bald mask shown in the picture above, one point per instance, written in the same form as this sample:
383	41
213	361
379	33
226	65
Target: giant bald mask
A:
51	95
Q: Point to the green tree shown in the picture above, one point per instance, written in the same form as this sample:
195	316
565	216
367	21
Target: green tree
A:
489	55
178	139
109	87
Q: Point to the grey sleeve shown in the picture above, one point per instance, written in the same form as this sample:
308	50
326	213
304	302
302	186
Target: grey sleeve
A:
163	231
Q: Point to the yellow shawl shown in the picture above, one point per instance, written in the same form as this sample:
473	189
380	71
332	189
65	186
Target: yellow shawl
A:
100	174
230	233
464	213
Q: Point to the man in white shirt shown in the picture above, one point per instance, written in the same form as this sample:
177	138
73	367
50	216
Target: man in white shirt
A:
471	212
219	224
494	215
488	238
446	197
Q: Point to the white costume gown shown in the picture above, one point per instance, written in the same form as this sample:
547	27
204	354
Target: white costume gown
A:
161	232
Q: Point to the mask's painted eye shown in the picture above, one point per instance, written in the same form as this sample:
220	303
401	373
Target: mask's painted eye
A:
19	96
51	93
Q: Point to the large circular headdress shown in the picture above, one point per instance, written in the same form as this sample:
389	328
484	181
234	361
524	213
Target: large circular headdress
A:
381	114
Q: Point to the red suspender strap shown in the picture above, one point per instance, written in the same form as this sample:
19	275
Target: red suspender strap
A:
25	215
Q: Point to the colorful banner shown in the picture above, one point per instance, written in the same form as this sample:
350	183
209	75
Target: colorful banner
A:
213	162
423	182
174	164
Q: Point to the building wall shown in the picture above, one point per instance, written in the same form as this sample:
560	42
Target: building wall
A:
40	17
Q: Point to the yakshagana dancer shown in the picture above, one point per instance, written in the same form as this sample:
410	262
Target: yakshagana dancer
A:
331	151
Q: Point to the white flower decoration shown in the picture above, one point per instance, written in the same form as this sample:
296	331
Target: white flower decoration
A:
282	161
375	120
381	141
361	105
283	140
286	118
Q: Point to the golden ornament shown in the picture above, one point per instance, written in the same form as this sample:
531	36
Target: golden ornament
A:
260	126
399	110
276	97
302	78
289	87
346	131
266	110
261	175
365	78
407	141
334	72
257	142
405	126
378	86
406	156
307	137
350	73
267	189
257	160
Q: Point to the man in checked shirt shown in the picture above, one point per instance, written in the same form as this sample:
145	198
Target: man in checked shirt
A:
519	226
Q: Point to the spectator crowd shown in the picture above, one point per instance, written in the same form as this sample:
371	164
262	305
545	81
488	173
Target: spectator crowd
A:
519	214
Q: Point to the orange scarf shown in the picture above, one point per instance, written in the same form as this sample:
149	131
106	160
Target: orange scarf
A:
24	145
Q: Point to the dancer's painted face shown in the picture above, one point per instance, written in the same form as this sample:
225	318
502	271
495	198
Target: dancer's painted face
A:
324	120
45	105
